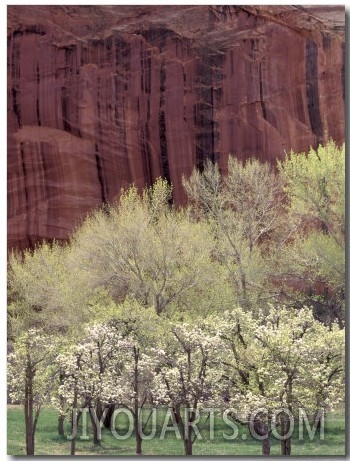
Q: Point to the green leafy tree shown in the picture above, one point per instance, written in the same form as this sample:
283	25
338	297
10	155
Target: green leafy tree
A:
143	248
245	211
46	291
315	258
312	272
315	184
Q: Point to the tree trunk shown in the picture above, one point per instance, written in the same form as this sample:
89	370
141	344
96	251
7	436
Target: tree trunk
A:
29	429
286	443
137	428
60	425
265	445
177	416
188	442
261	429
188	434
74	424
188	447
108	419
28	410
99	409
75	420
137	415
185	429
95	432
286	448
138	439
98	413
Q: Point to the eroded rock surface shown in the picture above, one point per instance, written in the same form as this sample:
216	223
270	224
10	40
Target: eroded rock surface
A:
103	96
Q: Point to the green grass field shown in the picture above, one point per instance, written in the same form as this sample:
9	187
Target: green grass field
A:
48	442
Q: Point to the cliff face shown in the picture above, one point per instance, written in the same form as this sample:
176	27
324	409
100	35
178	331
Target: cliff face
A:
103	96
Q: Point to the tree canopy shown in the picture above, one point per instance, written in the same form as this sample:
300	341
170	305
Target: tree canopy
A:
234	300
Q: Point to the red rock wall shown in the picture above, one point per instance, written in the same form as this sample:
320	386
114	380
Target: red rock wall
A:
103	96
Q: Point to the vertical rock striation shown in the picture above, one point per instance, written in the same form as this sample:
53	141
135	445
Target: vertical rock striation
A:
103	96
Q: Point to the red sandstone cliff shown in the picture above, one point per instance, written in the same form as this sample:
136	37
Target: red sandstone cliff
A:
102	96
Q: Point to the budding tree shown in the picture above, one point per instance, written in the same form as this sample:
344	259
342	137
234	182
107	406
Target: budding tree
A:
286	360
110	366
84	367
32	376
188	376
132	384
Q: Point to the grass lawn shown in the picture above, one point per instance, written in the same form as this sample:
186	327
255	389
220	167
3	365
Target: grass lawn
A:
48	442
